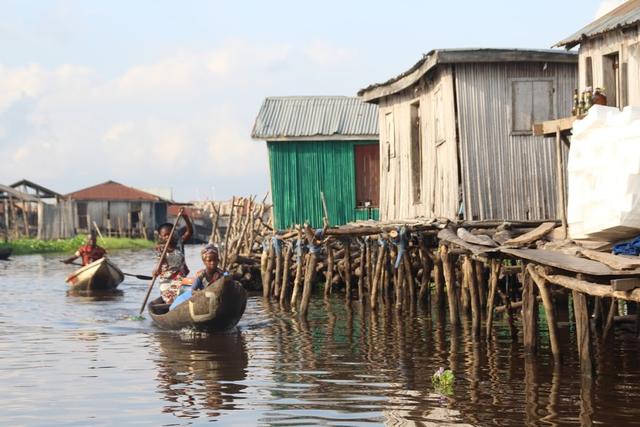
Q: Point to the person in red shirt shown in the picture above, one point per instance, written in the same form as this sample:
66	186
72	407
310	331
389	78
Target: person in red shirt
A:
89	253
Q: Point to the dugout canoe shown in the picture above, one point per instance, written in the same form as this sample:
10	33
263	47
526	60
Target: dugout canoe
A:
216	308
5	253
100	275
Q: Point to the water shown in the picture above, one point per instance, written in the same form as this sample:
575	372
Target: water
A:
77	360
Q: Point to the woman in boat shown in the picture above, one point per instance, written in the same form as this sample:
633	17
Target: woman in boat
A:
208	275
173	267
89	253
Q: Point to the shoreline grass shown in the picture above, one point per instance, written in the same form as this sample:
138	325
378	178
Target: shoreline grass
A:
35	246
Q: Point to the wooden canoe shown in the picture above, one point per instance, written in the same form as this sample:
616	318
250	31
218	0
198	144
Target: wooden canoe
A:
100	275
5	253
216	308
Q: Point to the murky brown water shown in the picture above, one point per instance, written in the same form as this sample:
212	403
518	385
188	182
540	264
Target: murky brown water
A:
72	360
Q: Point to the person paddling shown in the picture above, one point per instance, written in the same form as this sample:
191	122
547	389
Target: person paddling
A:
173	267
89	253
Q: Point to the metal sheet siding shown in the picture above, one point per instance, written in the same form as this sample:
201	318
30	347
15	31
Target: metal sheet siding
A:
506	176
301	170
312	116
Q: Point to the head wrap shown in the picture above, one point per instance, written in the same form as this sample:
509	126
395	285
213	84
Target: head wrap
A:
209	249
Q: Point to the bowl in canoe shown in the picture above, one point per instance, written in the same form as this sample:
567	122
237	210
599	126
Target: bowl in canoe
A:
216	308
100	275
5	253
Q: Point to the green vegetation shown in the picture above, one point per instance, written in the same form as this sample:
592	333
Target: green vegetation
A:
443	381
34	246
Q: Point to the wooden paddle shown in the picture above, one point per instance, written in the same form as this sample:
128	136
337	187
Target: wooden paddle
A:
164	252
137	276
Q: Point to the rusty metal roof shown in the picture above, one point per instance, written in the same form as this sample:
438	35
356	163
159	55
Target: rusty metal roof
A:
113	191
315	117
436	57
623	16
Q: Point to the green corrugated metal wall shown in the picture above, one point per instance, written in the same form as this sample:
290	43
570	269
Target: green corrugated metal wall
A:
301	170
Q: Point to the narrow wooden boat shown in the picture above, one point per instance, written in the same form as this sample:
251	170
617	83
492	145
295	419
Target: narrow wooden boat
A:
216	308
100	275
5	253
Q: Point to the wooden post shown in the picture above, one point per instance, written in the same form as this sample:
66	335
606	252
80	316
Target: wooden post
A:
560	184
369	266
470	279
438	278
377	277
400	276
120	233
363	255
278	276
481	283
529	303
312	259
408	275
266	285
300	258
25	219
329	274
263	261
547	301
286	254
493	285
449	278
582	331
613	309
347	268
228	232
425	280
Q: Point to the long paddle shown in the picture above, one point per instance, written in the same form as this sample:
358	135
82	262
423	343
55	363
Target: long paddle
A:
137	276
164	252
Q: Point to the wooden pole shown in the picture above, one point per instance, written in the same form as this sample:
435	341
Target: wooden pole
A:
493	285
425	280
449	278
299	261
481	283
312	259
547	301
613	308
160	260
470	279
347	268
408	274
329	273
278	277
228	232
400	277
582	331
266	286
363	255
438	279
561	187
529	305
286	254
377	277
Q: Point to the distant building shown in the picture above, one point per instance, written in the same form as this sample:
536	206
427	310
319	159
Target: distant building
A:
317	144
456	134
118	209
610	54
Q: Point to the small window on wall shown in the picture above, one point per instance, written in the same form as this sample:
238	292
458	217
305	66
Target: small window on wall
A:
532	102
588	72
416	152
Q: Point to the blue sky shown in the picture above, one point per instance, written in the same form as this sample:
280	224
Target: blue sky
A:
164	93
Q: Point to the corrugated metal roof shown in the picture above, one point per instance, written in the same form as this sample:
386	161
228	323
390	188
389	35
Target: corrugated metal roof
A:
9	191
459	56
315	117
113	191
624	15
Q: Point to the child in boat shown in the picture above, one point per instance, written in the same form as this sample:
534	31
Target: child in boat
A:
174	267
208	275
89	253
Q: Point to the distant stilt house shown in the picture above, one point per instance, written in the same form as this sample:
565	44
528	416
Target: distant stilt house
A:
456	134
118	209
610	54
317	144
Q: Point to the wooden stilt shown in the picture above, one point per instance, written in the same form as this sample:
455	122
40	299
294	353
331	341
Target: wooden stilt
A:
438	279
266	285
296	281
329	272
493	285
277	281
582	331
286	255
408	274
400	275
529	315
312	259
363	256
481	283
377	277
613	309
347	268
547	301
449	278
470	279
425	280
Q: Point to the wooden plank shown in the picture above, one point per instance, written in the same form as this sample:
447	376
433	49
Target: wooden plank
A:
627	284
568	262
615	262
480	239
589	288
530	237
449	236
549	127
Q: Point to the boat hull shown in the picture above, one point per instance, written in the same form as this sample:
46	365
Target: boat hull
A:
100	275
5	253
217	308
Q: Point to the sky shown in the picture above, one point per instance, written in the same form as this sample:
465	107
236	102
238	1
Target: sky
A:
163	94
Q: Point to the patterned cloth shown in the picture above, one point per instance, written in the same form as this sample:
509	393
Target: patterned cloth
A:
202	282
172	270
90	253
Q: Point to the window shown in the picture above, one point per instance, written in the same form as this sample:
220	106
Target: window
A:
83	220
367	159
532	102
611	78
588	72
416	152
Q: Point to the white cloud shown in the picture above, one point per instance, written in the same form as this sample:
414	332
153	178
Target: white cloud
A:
607	6
182	121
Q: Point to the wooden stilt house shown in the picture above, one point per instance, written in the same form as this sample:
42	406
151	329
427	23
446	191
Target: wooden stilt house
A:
610	54
456	134
321	144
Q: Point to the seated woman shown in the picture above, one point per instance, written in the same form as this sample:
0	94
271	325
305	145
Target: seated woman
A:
174	267
208	275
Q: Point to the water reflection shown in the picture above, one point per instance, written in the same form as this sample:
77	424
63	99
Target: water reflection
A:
200	374
91	296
